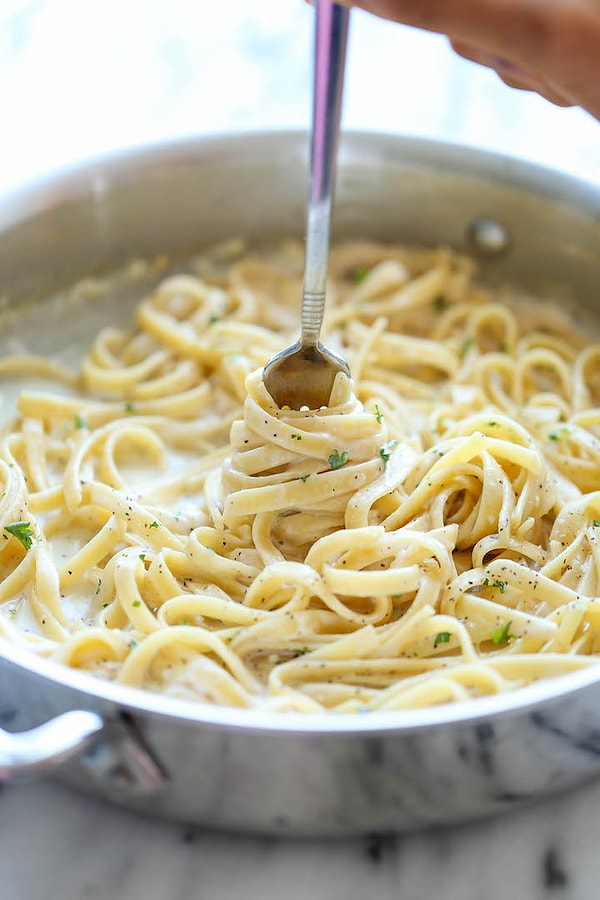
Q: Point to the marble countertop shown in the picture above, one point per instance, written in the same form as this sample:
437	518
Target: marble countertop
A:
86	78
54	843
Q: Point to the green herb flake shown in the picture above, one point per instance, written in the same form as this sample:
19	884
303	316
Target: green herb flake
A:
385	451
336	459
501	585
378	414
142	556
80	422
501	635
129	407
213	320
99	586
132	644
22	531
360	274
137	603
466	346
442	637
296	437
293	653
441	303
596	523
494	424
555	435
153	525
304	478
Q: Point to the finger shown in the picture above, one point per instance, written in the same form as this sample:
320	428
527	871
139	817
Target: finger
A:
556	40
505	67
532	29
512	74
544	91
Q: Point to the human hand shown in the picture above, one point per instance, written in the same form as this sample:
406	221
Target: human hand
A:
548	46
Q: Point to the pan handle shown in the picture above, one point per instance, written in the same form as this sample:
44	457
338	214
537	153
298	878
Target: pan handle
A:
42	749
112	752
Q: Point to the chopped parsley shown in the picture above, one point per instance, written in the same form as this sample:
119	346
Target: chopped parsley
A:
359	274
22	531
385	451
336	459
466	345
378	414
501	585
142	556
293	653
596	523
501	635
296	437
214	319
153	525
442	637
80	422
441	303
304	478
553	436
137	603
129	407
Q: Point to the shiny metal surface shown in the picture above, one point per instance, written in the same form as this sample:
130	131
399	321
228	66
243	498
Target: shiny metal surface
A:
41	749
110	751
303	374
253	771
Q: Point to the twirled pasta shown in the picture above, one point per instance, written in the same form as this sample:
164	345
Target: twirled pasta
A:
431	535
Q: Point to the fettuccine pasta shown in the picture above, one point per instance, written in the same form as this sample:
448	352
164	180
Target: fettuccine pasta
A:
432	535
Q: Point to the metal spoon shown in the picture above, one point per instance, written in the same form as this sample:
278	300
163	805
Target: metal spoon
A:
303	374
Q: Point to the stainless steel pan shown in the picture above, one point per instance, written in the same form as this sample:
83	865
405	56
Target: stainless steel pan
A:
274	772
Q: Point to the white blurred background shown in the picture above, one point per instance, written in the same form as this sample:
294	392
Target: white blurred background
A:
81	77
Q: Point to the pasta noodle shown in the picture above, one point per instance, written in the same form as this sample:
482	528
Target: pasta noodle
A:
431	536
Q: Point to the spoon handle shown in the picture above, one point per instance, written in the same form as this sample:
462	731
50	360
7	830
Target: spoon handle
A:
331	33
